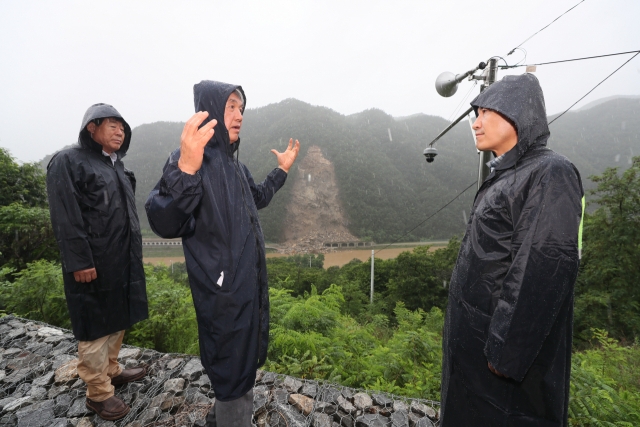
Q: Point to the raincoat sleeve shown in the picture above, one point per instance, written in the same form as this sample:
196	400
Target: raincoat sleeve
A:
171	203
263	192
543	271
66	216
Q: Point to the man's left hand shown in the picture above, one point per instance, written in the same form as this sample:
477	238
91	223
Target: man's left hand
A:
286	159
495	371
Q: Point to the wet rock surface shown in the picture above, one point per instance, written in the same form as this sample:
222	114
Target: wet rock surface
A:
39	386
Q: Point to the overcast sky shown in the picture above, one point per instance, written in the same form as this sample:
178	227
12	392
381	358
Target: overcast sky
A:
59	57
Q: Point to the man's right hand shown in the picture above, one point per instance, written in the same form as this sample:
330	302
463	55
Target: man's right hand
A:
85	276
193	141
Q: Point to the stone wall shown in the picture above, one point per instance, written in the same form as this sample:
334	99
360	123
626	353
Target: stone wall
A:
39	387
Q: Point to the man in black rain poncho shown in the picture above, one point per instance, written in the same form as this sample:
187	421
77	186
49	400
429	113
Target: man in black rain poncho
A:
93	213
508	327
207	197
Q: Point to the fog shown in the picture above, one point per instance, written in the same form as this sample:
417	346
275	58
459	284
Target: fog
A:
143	57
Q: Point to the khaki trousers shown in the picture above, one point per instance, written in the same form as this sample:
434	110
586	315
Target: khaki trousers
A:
98	363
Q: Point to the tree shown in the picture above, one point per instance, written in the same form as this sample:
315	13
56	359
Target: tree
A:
25	227
607	294
25	236
421	278
24	183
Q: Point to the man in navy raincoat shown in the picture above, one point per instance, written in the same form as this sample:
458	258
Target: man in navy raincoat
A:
207	197
508	327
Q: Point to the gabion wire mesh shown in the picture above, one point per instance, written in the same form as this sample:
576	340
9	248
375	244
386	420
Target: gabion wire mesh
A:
39	386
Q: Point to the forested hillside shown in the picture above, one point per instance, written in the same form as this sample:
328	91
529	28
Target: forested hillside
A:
385	186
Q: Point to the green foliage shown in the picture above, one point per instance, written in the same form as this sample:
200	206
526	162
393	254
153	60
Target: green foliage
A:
26	182
37	293
607	293
25	236
418	278
25	227
171	326
311	339
604	384
411	361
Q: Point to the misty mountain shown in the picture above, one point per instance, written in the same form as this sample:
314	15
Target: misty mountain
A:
385	186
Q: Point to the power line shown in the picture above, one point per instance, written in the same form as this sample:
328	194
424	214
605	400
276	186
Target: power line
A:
569	60
475	82
615	71
428	218
513	50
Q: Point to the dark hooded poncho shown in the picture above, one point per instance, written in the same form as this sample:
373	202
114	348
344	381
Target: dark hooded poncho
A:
511	292
93	213
215	211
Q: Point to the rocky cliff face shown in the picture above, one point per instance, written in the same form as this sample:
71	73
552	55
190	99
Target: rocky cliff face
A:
39	387
314	214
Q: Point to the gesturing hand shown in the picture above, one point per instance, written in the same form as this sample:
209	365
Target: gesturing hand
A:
85	276
193	141
286	159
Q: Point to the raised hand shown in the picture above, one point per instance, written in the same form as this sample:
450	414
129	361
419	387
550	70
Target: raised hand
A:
286	159
193	141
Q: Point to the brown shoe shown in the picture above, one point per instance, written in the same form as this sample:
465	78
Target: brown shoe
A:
111	409
128	375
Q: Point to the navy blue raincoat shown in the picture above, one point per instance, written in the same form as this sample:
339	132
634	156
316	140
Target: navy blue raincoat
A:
511	293
215	212
94	218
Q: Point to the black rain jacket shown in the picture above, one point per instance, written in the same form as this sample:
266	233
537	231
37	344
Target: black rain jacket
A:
93	213
215	211
511	292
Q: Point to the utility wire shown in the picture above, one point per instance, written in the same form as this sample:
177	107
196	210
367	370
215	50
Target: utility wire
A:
475	82
429	217
568	60
616	70
513	50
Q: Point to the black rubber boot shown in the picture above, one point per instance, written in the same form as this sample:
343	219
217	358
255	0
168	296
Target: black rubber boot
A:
211	417
235	413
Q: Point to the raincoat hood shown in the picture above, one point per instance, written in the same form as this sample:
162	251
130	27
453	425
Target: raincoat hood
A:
102	111
521	100
211	96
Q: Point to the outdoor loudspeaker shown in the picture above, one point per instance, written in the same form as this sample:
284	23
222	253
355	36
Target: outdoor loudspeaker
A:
447	83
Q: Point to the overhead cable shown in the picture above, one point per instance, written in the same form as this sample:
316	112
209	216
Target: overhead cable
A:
504	67
429	217
513	50
616	70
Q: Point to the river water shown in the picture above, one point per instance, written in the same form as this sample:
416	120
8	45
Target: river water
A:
338	258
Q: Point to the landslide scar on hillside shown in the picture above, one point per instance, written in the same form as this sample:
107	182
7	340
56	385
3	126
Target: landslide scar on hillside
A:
314	214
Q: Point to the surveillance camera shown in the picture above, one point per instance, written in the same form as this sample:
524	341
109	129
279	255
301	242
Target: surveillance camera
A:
430	153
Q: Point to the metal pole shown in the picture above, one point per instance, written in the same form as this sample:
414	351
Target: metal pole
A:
485	156
372	258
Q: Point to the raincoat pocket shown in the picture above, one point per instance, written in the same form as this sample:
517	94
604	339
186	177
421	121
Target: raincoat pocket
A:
473	361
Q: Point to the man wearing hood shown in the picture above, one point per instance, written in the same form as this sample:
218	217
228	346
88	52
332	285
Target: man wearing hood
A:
207	197
93	213
508	327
